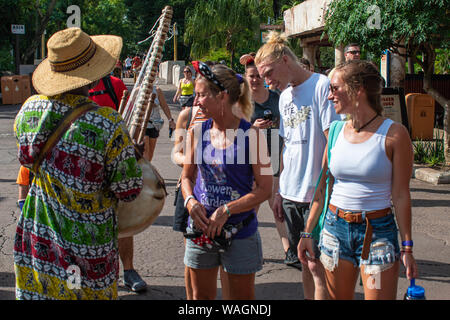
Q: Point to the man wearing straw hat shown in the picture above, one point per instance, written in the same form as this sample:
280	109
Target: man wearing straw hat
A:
84	163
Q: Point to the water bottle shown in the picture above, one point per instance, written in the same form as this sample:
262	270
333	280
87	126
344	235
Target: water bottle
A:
170	133
414	292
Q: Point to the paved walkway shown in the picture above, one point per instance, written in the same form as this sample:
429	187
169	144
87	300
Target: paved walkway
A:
159	250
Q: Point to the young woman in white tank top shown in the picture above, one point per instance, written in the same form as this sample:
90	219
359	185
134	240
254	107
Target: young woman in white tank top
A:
371	163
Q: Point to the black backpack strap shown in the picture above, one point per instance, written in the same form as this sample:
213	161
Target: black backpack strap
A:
97	93
110	90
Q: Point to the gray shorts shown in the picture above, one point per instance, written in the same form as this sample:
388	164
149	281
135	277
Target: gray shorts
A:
245	256
295	214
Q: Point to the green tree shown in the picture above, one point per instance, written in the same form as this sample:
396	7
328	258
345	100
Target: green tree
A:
418	26
34	14
142	15
229	24
113	19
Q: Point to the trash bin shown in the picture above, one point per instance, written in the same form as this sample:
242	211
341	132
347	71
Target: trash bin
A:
420	109
25	87
15	89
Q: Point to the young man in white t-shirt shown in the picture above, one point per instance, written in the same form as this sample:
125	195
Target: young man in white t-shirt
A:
306	115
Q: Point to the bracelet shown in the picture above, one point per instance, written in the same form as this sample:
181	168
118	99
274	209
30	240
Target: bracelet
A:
408	243
227	210
306	235
187	200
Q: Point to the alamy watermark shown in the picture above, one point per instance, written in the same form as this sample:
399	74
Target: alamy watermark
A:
74	277
374	20
250	148
74	20
373	282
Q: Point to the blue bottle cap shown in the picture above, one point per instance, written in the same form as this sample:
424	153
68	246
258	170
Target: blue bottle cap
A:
415	291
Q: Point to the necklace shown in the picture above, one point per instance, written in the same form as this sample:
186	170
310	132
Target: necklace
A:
367	123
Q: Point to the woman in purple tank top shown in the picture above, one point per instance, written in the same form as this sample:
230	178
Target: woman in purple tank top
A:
225	155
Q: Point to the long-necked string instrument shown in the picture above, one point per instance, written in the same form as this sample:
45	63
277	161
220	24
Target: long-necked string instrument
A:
137	215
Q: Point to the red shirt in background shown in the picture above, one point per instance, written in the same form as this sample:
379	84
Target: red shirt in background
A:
104	100
136	62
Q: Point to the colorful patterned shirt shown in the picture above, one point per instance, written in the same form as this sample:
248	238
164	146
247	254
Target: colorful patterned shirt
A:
66	239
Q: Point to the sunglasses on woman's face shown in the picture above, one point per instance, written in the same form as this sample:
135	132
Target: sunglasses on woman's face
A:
333	88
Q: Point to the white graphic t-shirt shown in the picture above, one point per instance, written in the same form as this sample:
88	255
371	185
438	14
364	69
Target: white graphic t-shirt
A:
305	113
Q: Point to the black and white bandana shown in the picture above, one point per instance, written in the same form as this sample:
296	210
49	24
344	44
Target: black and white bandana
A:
205	71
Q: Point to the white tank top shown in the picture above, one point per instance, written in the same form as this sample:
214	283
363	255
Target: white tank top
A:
362	172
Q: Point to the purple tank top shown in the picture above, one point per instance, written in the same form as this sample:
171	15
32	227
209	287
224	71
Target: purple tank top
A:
225	175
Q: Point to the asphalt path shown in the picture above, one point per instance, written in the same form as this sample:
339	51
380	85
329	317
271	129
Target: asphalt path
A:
159	251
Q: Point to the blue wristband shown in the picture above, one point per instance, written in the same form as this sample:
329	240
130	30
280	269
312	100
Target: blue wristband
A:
408	243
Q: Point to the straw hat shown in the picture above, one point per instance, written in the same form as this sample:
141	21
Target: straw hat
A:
74	60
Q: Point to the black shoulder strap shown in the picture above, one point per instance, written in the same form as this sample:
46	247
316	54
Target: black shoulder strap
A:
110	90
63	125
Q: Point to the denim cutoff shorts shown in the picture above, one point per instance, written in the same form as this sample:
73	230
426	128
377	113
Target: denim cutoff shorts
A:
244	256
342	240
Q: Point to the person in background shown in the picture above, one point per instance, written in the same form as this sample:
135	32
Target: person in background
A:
185	89
223	227
360	231
306	115
128	63
352	51
117	71
136	66
108	92
155	123
266	116
70	207
306	64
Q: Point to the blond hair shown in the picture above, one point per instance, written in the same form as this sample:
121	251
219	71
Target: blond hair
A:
274	49
239	93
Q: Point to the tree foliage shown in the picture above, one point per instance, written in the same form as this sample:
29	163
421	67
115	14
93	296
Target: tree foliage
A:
130	19
229	24
416	22
418	26
142	14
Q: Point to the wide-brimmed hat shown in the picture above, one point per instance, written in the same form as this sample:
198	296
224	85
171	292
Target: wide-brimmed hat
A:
74	60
